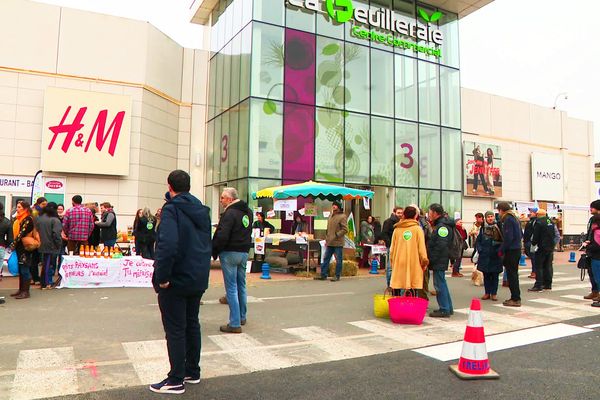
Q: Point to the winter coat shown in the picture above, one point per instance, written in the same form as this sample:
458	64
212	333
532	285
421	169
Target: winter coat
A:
234	232
511	232
25	228
367	234
6	232
487	245
145	231
408	255
49	229
543	235
262	226
528	231
439	244
388	229
183	246
593	249
108	226
337	228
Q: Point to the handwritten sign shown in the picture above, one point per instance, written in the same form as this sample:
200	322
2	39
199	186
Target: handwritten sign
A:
285	205
80	272
310	209
86	132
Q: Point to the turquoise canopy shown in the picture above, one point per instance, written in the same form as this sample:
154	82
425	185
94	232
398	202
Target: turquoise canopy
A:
312	190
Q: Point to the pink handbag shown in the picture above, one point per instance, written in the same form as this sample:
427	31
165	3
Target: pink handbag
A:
408	309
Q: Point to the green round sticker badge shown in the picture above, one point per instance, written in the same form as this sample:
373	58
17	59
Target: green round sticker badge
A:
443	231
149	226
407	235
246	221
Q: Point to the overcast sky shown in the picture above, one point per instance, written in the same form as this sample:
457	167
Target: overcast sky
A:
530	50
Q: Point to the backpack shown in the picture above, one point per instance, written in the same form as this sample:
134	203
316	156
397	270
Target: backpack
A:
457	245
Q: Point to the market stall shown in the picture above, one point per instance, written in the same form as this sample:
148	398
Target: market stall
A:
80	272
311	190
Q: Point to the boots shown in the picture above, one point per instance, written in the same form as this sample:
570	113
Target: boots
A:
25	292
591	296
18	292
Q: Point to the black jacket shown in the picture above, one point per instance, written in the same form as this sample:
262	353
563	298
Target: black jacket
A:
388	229
439	244
262	226
543	235
234	232
183	246
528	231
145	231
6	232
108	226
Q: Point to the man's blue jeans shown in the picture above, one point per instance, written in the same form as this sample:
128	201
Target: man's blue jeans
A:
443	294
233	264
330	251
596	272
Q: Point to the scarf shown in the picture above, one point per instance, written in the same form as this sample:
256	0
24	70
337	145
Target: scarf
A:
492	231
17	224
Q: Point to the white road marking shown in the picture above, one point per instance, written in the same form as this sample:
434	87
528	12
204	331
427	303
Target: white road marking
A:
452	351
594	326
252	299
410	336
580	307
149	358
249	352
499	323
571	287
45	373
575	297
338	348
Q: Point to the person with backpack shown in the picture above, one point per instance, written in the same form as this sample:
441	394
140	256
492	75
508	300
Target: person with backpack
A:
543	240
438	252
510	251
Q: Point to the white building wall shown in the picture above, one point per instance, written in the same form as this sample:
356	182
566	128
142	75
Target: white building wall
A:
521	129
50	46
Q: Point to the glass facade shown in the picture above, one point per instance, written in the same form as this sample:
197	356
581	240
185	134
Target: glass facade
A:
294	95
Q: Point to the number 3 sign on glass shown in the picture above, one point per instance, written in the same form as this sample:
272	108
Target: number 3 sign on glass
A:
86	132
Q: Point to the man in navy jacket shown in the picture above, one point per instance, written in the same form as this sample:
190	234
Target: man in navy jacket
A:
510	250
181	269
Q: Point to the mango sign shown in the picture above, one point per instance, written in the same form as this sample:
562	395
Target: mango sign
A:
86	132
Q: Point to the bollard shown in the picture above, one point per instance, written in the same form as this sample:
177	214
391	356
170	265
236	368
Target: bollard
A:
572	257
522	262
266	269
374	266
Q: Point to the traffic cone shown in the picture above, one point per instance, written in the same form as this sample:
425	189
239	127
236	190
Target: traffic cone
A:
473	362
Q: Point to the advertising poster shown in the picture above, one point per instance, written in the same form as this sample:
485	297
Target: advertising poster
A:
483	169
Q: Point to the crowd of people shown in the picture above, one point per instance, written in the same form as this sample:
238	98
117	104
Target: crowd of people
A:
43	233
418	249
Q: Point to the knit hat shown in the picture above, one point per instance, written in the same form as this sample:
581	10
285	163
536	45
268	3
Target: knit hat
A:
338	204
541	213
489	213
595	204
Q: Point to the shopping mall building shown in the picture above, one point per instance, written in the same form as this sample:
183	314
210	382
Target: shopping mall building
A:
357	93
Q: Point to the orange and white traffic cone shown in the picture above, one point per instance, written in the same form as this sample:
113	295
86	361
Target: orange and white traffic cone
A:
473	362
